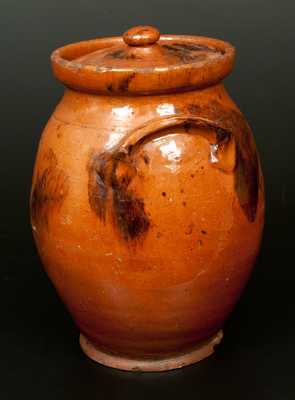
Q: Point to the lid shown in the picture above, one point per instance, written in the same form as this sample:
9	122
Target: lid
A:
143	62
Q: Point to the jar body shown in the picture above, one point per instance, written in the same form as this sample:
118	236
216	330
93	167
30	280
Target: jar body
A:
149	244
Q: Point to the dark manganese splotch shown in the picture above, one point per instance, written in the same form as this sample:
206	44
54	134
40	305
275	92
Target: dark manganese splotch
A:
128	209
117	54
247	184
97	184
50	188
187	52
122	85
146	158
109	192
247	164
121	54
125	82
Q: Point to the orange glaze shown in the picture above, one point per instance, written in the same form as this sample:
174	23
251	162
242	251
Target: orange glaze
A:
147	200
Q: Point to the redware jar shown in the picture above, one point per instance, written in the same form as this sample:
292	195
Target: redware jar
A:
147	199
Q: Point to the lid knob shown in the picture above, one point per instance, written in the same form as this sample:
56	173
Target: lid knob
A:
141	35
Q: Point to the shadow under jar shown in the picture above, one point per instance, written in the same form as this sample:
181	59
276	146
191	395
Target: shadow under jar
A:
147	200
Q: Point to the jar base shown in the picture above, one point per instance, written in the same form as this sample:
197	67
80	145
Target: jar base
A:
202	350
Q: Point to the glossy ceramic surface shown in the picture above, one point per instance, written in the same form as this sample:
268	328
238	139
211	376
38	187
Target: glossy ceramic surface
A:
147	210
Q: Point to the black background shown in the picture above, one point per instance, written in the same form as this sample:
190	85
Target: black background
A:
40	357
